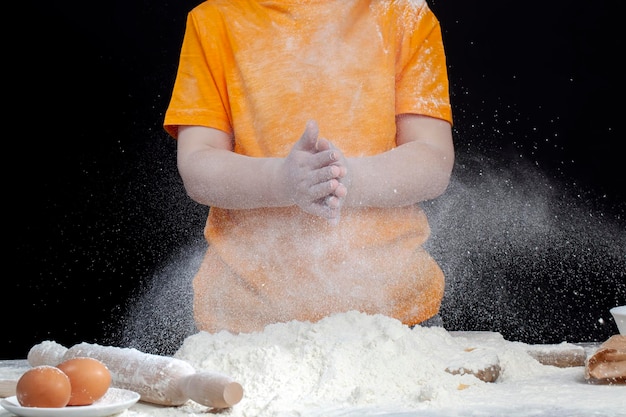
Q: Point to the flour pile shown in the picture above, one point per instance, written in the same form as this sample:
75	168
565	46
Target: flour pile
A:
332	362
345	361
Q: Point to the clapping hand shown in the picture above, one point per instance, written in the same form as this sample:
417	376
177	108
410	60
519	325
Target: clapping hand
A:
313	175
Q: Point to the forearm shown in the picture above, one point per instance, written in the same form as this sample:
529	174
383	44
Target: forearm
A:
247	183
408	174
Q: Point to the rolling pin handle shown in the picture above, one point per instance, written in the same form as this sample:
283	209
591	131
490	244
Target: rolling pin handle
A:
211	389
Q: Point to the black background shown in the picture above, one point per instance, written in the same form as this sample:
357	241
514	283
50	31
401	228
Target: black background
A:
103	240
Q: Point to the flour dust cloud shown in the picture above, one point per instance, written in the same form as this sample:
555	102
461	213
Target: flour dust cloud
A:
523	255
160	317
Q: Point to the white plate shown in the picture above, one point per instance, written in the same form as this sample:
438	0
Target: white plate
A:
114	401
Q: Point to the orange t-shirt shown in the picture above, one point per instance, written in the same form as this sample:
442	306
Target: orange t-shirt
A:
260	70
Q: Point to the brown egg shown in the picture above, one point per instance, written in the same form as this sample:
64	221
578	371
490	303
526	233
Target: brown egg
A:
90	379
43	386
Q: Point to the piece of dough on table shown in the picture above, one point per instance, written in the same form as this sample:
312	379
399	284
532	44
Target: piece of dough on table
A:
608	363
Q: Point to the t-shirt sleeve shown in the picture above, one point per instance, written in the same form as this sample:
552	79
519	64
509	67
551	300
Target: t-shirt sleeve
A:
199	95
422	85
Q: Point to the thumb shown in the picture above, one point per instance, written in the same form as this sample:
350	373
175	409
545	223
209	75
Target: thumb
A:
308	140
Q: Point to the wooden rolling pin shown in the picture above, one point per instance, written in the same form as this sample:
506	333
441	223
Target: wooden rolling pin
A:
562	355
7	387
158	379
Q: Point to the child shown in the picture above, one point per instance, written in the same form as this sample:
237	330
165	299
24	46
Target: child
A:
313	129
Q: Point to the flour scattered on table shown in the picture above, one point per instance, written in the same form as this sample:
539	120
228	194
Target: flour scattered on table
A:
355	361
358	365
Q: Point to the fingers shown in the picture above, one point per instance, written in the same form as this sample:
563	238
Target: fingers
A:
326	173
330	158
325	209
329	206
324	145
326	153
308	140
324	199
332	169
315	168
341	191
319	191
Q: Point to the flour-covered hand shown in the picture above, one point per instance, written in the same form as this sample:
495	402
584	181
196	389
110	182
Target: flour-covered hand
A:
311	175
335	201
